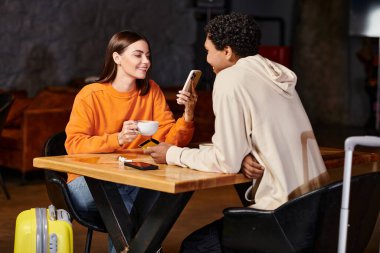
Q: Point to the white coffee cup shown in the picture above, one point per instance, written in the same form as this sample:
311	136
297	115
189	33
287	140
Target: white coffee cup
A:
147	127
205	145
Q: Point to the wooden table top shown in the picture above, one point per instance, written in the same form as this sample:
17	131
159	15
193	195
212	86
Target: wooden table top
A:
167	178
334	158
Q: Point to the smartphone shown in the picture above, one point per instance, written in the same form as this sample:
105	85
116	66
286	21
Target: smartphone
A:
141	165
192	79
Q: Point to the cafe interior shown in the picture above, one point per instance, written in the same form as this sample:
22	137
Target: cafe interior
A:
49	50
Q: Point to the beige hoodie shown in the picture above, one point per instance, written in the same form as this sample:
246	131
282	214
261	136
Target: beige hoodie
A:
258	111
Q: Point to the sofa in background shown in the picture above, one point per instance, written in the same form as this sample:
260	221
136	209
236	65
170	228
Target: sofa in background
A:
30	122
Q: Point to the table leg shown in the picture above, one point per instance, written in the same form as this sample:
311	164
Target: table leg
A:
114	214
154	227
158	222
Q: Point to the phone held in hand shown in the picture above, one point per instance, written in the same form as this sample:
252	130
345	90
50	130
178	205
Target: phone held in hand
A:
192	80
141	165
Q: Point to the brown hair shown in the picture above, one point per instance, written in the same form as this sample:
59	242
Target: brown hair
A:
118	43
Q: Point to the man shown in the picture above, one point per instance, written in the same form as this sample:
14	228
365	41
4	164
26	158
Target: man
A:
257	111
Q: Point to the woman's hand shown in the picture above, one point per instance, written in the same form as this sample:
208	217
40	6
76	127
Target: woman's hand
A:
189	99
128	133
251	168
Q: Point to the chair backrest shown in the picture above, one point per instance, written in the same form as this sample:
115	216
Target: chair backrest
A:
363	213
289	228
55	145
309	223
56	181
57	189
6	101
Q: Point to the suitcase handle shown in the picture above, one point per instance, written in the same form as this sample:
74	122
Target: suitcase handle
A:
60	214
371	141
349	146
63	215
52	213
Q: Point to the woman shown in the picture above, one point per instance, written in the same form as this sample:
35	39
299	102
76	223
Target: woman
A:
104	114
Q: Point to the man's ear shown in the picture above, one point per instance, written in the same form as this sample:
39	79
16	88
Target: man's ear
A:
229	54
116	57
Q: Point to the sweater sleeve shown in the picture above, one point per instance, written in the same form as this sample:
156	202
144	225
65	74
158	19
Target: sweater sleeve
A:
230	143
177	133
79	130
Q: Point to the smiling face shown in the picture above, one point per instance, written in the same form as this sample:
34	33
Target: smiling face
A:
134	62
219	59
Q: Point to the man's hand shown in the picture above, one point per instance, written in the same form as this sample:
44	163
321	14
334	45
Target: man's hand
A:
251	168
158	153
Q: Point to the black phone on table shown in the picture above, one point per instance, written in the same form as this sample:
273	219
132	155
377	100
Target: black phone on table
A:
141	165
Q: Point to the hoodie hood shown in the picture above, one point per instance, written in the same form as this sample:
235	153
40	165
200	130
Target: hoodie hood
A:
284	80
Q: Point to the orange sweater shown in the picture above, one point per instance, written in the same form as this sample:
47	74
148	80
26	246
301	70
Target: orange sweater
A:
99	112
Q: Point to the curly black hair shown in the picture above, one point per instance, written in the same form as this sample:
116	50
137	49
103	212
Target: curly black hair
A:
239	31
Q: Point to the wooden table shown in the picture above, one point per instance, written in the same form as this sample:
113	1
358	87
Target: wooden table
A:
172	185
173	188
168	178
334	158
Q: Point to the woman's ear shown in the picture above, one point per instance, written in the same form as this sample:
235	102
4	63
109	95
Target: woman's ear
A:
116	57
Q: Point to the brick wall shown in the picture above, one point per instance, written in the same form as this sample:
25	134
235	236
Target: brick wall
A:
50	42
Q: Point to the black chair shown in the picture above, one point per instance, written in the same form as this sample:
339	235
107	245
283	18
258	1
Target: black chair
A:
6	101
59	193
309	223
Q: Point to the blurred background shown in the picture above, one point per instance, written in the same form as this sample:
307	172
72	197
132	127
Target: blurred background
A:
49	49
44	43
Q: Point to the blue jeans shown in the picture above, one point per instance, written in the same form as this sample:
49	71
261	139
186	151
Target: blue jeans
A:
85	204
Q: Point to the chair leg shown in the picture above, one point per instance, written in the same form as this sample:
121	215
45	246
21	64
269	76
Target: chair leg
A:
88	241
3	187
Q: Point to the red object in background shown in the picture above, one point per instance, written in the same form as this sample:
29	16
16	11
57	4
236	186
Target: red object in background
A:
280	54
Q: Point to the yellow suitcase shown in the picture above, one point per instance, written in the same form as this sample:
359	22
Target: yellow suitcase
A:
43	230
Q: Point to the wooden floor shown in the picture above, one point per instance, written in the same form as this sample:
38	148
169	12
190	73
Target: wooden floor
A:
204	207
